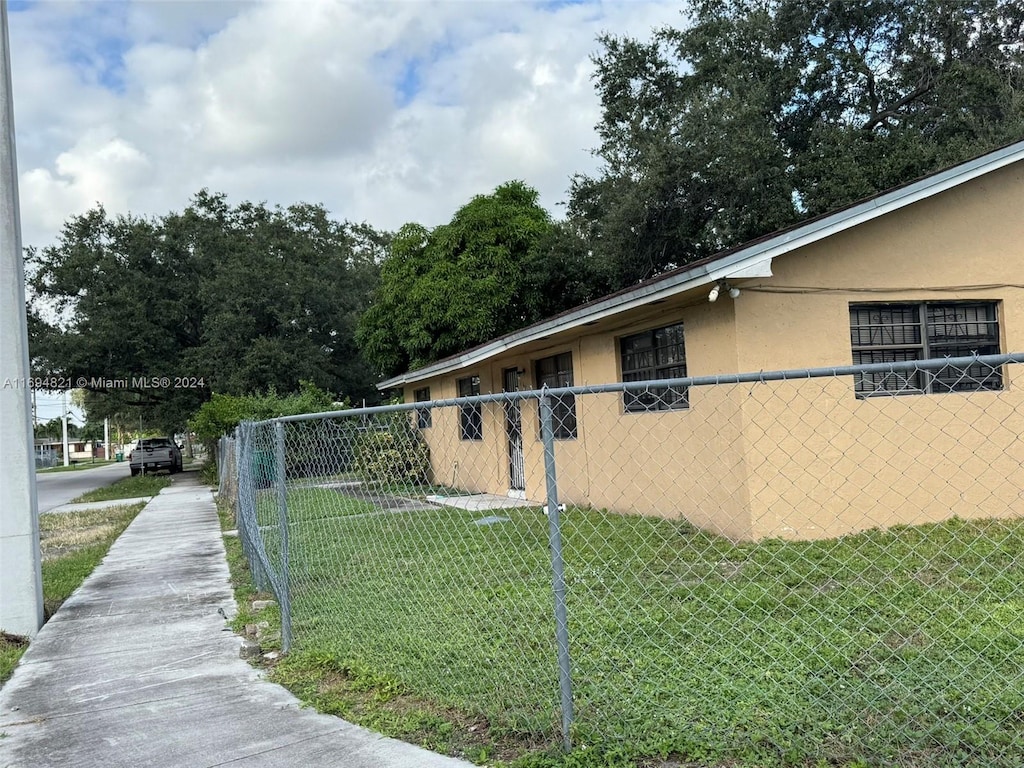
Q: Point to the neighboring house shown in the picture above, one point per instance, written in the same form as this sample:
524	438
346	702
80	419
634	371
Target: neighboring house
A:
52	449
931	269
83	450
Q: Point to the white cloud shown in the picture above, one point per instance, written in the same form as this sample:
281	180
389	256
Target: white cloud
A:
100	168
384	111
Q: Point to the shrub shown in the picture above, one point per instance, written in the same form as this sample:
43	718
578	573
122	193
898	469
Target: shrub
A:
392	452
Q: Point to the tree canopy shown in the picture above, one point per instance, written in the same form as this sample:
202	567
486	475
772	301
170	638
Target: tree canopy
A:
233	299
748	117
763	112
490	270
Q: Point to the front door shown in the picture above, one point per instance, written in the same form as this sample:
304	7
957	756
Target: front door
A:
514	430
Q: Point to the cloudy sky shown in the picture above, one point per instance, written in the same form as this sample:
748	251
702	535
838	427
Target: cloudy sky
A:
383	111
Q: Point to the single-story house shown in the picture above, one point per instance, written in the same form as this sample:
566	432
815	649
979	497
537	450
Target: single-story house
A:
930	269
52	449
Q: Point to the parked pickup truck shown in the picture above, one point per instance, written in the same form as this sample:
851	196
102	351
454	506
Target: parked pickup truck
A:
153	453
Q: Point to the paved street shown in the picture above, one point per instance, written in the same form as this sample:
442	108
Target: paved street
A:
56	488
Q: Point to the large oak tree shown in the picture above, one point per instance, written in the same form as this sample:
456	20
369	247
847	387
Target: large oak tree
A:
757	113
246	298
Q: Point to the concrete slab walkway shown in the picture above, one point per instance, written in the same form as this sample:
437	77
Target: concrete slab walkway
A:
483	502
137	669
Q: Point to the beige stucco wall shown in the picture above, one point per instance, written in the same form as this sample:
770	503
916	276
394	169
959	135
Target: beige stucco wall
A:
469	465
687	463
824	463
798	459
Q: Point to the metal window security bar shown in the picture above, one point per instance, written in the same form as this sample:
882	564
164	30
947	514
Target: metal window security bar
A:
655	354
784	571
922	330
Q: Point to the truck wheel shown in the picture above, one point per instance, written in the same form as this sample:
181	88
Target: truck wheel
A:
134	472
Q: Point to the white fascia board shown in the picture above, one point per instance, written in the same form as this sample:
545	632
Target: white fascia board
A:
762	268
753	261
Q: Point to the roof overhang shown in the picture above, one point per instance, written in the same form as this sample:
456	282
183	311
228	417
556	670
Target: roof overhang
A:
754	260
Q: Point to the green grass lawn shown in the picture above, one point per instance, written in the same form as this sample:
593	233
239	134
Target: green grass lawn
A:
127	488
11	650
901	647
72	545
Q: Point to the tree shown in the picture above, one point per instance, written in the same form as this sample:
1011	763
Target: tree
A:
763	112
53	429
156	313
91	430
281	292
119	309
498	265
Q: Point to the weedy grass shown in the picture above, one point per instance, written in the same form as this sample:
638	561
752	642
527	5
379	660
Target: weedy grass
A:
72	544
207	472
127	488
64	533
242	579
11	650
895	647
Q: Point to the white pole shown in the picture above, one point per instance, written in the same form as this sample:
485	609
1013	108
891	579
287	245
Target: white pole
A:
21	591
64	428
106	439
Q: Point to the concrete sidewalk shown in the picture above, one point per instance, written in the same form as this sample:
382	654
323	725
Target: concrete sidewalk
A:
137	669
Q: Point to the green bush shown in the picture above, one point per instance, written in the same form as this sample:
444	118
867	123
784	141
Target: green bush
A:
393	452
222	413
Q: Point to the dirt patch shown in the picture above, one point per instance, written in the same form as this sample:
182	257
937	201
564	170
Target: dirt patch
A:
15	641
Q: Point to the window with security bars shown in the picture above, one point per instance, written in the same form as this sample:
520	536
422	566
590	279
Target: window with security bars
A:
655	354
885	333
556	371
423	416
471	417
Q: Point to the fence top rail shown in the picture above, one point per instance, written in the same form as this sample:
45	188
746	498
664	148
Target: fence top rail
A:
752	377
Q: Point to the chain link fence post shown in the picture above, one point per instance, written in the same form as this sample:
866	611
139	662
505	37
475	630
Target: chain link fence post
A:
241	519
557	570
247	519
282	513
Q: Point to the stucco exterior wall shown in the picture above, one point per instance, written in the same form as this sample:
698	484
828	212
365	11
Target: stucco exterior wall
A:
798	459
681	463
687	463
469	465
825	463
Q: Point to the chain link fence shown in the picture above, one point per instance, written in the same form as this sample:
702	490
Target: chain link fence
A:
816	567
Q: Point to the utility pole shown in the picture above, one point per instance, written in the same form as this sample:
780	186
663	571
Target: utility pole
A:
106	439
21	591
64	428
